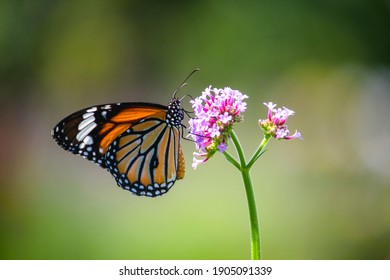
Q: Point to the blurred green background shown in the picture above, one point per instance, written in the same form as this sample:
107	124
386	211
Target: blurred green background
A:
327	197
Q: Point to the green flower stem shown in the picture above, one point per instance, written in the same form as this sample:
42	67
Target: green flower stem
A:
244	169
239	150
259	151
254	221
231	159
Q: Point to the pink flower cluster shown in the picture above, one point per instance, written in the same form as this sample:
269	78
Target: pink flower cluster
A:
216	111
275	124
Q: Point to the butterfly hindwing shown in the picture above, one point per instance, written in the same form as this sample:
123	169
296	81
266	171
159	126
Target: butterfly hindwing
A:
146	161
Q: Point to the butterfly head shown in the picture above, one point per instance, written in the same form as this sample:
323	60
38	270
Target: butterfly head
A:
175	114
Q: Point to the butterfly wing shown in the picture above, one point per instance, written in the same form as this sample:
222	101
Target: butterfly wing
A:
90	131
139	143
145	159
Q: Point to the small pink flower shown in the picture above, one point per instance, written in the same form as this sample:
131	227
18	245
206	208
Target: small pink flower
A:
275	124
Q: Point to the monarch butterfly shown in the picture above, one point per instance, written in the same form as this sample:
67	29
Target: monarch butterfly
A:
137	142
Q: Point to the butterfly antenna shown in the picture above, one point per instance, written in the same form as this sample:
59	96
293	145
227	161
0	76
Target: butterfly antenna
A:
183	84
186	96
